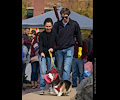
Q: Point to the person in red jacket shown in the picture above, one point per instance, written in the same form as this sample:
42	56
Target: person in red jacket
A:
78	63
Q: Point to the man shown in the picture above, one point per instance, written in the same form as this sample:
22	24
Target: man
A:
25	36
66	28
78	63
26	32
89	42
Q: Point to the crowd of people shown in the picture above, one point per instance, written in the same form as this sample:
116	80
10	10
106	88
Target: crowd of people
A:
64	41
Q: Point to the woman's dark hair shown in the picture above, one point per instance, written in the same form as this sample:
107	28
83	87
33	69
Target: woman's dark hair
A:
48	20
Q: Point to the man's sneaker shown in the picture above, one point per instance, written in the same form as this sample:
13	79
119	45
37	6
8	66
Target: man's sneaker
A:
51	90
41	92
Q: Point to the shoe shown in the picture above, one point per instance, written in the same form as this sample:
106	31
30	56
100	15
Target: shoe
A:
33	87
51	90
41	92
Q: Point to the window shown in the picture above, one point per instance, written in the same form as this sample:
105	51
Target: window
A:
46	10
30	13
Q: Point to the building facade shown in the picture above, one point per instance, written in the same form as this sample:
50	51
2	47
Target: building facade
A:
35	8
38	7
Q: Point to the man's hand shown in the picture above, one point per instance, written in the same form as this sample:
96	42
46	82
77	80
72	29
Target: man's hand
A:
51	50
79	52
42	54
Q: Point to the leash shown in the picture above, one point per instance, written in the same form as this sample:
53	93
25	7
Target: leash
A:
52	62
41	66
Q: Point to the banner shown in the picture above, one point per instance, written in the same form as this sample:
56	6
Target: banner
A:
36	29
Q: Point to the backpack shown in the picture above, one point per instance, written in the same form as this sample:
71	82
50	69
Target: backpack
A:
88	69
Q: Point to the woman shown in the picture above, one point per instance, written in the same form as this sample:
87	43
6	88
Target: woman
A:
34	65
47	41
34	52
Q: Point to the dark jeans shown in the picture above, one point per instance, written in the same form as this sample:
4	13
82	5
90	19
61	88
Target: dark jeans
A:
77	70
23	72
34	71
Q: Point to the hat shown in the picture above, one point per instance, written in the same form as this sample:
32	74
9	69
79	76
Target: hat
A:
33	31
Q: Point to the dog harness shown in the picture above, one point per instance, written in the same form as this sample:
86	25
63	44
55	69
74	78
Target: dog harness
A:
48	80
58	88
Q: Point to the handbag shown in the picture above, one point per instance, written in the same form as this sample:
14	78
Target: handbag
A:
35	58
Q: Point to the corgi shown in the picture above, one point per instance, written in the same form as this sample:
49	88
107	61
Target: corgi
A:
60	87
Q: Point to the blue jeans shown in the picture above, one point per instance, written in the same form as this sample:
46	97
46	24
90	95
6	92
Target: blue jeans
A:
45	69
77	70
64	60
34	71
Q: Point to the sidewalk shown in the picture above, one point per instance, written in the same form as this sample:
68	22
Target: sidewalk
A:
33	94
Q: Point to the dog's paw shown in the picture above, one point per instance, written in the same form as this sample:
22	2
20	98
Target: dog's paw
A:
59	94
56	92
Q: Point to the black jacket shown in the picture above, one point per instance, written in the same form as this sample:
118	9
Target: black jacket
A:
89	42
66	34
47	41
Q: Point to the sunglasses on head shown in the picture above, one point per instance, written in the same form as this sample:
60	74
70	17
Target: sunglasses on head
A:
64	17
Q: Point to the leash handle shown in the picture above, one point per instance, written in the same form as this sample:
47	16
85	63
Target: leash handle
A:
52	62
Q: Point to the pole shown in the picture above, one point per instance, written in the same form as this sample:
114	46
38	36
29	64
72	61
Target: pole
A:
56	13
